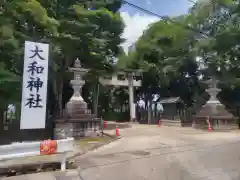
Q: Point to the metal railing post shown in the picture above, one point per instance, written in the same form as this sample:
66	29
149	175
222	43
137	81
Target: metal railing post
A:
63	162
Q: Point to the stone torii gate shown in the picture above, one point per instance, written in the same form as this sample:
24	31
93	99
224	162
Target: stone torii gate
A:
128	80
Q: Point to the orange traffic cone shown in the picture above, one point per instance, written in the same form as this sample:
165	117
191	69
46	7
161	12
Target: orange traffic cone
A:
159	123
117	131
209	124
104	124
209	128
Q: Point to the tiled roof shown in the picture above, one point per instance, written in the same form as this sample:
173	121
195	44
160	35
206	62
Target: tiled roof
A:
170	100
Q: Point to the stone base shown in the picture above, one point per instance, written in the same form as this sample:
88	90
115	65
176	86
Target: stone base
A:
76	130
221	124
63	130
76	107
79	122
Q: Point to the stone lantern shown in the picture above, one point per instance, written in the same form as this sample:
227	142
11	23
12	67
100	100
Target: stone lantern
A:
214	110
79	121
76	104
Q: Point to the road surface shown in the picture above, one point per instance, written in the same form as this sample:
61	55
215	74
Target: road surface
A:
165	153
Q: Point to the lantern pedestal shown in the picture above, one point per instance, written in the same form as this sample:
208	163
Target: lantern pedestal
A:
78	122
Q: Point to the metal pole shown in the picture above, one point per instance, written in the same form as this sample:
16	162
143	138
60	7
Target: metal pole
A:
63	162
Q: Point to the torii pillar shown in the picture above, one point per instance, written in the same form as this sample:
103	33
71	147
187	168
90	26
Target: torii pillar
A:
130	82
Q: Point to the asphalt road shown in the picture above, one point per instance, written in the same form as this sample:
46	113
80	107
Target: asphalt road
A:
151	153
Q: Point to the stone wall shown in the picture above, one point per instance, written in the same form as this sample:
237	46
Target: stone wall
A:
78	129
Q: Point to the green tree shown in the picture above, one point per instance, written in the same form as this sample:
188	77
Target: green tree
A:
167	56
20	20
92	35
71	29
220	49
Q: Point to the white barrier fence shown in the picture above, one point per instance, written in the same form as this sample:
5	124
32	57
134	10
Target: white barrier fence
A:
26	149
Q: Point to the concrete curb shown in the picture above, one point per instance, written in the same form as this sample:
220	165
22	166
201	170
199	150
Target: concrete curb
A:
112	136
67	175
95	147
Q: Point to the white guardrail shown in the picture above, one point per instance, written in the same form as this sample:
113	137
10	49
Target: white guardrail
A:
26	149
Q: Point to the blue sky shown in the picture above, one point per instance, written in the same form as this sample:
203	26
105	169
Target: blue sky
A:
136	21
161	7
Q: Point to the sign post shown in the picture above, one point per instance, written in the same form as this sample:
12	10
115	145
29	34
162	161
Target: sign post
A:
34	89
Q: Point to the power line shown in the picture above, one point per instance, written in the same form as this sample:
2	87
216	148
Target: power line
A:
165	18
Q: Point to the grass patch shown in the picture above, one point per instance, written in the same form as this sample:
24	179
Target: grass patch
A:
91	140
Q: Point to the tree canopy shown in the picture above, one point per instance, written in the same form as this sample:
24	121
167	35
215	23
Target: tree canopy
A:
176	55
89	30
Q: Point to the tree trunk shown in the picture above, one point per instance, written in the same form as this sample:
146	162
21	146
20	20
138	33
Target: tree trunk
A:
64	67
148	101
238	117
60	94
149	112
95	98
55	92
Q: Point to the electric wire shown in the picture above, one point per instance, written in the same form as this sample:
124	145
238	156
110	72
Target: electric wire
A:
166	18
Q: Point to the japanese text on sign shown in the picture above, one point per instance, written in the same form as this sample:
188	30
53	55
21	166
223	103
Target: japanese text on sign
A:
34	90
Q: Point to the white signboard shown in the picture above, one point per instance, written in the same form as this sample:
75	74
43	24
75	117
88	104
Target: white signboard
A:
34	90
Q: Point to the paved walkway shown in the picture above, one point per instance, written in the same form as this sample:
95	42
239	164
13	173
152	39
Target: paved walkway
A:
151	153
166	153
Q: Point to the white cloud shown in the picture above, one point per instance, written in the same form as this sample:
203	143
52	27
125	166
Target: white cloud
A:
149	2
135	25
